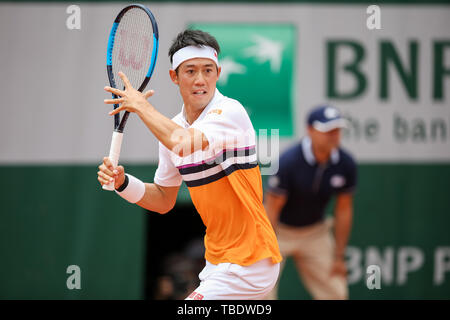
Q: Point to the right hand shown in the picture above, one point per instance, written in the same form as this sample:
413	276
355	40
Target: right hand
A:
107	173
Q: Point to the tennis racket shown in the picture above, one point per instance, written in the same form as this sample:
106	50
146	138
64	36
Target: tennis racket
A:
132	49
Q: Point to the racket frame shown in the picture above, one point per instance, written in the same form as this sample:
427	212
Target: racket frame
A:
119	125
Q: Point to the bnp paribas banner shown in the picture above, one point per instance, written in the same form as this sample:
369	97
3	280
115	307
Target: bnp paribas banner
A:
387	70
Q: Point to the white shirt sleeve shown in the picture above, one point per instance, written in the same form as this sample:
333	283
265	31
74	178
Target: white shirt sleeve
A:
228	128
166	175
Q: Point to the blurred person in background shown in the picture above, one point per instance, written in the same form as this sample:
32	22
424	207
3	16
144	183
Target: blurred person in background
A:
310	174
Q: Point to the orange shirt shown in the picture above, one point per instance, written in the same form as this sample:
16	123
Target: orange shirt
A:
225	185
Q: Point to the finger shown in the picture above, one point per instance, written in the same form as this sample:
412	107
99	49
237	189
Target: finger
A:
149	93
106	173
115	91
109	168
118	171
102	167
125	80
105	177
115	111
102	181
114	101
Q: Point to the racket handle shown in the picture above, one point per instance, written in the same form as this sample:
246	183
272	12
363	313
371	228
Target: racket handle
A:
114	154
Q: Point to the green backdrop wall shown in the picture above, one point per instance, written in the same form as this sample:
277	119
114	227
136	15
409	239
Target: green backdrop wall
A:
56	216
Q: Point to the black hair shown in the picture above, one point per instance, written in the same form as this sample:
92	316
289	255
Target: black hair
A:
191	37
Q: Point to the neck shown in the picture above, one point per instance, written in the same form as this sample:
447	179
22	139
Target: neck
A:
192	114
321	155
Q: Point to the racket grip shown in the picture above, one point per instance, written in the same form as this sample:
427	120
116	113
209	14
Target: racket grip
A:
114	154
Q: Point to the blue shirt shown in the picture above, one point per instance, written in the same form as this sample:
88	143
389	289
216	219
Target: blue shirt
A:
308	185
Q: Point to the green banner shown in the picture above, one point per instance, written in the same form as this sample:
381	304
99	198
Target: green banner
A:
258	63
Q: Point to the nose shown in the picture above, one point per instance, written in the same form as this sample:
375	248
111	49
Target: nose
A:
199	79
334	135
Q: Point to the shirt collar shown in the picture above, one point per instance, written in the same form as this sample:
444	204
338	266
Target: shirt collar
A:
217	96
309	155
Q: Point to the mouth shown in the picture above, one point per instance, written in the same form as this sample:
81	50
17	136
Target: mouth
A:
199	92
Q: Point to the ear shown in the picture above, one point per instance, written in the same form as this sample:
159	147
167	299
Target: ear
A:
219	70
173	76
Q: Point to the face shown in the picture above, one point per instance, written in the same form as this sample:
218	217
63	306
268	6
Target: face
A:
197	81
325	140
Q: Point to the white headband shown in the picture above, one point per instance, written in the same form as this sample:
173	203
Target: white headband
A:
192	52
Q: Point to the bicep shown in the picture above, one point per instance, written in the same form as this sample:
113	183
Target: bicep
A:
229	128
344	202
199	140
189	141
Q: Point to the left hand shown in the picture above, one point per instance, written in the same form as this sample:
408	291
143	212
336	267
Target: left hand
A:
339	267
131	100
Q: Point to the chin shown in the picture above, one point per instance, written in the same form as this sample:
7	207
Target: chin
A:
201	102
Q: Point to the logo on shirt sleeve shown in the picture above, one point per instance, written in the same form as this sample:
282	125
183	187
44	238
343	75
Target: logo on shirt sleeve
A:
218	111
337	181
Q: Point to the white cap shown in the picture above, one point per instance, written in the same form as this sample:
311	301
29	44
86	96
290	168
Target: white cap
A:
326	118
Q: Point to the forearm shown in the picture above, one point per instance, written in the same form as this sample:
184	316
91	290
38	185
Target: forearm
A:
154	199
174	137
342	229
273	205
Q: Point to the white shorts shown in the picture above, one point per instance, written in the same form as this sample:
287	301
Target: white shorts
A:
229	281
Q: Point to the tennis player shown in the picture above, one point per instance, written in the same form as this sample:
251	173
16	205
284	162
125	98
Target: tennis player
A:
210	145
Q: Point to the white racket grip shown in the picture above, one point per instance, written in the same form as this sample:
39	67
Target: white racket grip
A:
114	154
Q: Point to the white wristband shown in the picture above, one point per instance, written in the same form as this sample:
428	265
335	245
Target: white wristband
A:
134	191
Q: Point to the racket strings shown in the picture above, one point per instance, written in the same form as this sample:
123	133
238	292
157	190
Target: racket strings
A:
133	48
